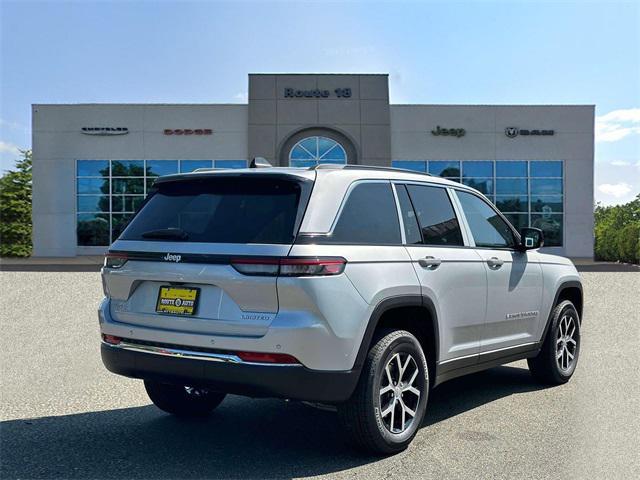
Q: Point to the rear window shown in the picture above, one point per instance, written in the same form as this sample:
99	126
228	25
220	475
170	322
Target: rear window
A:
222	210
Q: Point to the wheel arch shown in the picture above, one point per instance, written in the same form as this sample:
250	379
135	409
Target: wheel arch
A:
569	290
384	314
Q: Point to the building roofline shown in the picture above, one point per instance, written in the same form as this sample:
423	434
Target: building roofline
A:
492	105
119	104
320	74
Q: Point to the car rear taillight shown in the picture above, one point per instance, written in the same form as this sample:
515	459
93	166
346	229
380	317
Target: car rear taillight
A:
290	266
297	267
268	267
115	260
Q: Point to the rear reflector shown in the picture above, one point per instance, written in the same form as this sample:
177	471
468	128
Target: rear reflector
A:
257	357
113	340
290	266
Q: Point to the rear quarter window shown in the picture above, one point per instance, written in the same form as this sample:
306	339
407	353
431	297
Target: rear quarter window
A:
369	216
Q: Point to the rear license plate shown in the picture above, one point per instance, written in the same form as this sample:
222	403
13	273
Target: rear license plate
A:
177	300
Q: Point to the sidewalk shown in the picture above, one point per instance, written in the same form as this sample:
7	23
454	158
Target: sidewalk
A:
52	264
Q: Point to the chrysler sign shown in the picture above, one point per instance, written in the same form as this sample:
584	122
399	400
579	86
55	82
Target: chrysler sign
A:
105	130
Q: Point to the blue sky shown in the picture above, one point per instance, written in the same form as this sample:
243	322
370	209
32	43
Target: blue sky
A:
453	52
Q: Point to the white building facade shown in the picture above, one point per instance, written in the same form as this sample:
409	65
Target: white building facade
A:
94	163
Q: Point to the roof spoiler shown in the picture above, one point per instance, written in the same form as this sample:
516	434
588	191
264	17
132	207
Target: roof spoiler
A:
260	162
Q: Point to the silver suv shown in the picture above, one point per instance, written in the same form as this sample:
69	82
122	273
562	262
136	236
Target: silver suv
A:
352	286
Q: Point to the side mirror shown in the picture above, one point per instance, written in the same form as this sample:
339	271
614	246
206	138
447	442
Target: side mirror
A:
531	238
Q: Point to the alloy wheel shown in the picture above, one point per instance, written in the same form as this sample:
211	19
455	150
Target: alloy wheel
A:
566	343
400	392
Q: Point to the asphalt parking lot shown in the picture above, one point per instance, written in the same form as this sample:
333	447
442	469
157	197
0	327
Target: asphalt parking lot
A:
62	415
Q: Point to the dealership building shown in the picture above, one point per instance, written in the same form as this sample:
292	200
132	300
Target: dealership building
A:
94	163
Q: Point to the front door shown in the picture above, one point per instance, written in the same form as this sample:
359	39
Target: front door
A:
514	278
452	276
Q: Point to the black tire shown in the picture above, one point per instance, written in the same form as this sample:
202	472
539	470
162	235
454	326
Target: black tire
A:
546	367
183	401
362	415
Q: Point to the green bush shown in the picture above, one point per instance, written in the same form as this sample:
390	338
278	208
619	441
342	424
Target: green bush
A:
15	209
617	232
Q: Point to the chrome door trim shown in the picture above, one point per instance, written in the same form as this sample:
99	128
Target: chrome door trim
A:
489	352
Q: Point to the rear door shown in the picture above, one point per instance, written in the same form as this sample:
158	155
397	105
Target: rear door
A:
184	241
514	278
450	274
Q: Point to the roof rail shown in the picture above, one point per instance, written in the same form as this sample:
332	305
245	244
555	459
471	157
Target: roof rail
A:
208	169
327	166
333	166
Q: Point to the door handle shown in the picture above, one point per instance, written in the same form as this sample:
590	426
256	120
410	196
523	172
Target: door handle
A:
430	262
495	262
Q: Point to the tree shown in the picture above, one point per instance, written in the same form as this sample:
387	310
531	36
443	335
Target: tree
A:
15	209
617	232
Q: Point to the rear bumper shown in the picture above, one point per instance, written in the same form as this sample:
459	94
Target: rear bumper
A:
225	374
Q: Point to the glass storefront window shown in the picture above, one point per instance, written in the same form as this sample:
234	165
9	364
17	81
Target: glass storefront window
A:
121	186
545	168
157	168
445	169
551	225
93	229
187	166
93	203
512	203
127	168
511	185
511	169
230	164
484	185
546	186
92	185
418	166
546	203
108	192
92	168
477	169
528	192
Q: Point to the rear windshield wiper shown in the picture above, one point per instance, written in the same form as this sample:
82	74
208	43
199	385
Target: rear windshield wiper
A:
167	234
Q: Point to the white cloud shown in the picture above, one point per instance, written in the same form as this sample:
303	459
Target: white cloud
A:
242	96
618	124
617	190
6	147
621	163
